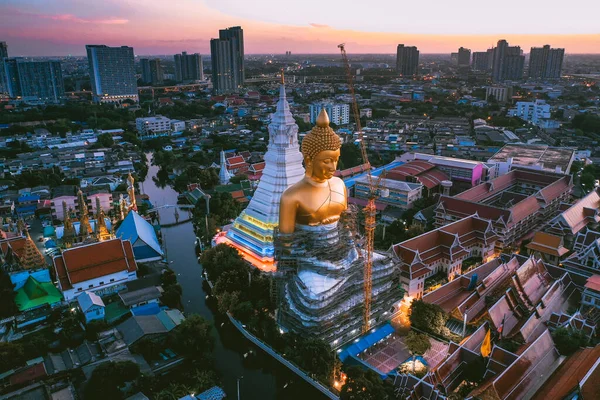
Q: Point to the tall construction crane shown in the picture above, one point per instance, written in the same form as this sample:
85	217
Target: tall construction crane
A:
369	210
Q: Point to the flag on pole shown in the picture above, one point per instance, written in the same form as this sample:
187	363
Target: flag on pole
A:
486	346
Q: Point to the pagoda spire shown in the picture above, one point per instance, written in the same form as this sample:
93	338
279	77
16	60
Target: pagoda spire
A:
85	228
32	258
131	192
101	229
224	175
68	229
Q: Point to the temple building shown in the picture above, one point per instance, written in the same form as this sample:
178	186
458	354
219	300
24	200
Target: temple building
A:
252	232
224	175
142	237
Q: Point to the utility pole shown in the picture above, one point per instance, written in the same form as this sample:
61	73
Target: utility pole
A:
238	386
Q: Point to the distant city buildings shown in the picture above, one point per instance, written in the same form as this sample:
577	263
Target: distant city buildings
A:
145	67
188	67
482	60
508	62
536	112
339	114
34	80
502	94
3	55
545	63
407	60
156	72
157	125
112	73
464	57
227	55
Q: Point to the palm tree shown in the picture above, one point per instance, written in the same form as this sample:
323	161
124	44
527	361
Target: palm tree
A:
417	344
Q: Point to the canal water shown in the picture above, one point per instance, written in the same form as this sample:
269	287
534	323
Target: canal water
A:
263	377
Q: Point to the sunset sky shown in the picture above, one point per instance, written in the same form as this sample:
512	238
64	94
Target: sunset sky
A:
61	27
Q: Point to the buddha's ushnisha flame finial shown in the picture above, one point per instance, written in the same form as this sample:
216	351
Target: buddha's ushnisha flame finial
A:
282	77
321	138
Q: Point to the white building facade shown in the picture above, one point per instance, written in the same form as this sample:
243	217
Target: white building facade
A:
339	113
536	112
153	125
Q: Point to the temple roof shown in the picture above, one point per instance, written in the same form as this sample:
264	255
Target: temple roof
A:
135	227
34	294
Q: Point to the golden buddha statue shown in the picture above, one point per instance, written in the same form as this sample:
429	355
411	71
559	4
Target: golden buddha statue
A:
319	198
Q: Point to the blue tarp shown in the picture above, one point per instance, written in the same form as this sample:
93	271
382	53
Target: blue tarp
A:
50	244
146	309
366	341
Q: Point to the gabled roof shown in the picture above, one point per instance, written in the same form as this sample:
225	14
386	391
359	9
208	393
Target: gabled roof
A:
584	211
87	300
548	244
80	264
135	227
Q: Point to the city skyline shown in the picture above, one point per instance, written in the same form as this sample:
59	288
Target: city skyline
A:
59	29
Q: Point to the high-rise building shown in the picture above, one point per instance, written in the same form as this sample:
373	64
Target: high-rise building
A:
188	67
227	55
464	57
407	60
156	72
3	55
545	63
339	113
508	62
35	80
252	232
481	61
112	73
145	67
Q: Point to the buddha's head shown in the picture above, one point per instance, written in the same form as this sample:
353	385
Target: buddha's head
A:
321	150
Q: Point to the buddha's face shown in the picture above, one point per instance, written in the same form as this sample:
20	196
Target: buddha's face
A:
323	165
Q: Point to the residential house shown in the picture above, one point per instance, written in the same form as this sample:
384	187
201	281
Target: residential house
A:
91	306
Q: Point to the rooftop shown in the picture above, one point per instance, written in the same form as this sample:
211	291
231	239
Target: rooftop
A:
535	155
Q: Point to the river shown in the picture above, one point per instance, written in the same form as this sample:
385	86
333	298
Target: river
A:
263	377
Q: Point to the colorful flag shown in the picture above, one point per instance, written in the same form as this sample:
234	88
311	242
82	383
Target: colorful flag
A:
486	346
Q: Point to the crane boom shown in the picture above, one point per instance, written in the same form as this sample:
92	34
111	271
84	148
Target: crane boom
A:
370	209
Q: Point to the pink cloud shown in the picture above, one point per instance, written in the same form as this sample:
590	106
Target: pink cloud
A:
74	18
320	26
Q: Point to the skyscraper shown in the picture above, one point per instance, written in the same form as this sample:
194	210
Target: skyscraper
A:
145	67
188	67
39	80
508	62
227	55
481	60
3	55
464	57
156	72
407	60
112	73
545	63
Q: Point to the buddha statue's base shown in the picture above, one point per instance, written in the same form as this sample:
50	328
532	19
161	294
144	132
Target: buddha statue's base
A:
321	281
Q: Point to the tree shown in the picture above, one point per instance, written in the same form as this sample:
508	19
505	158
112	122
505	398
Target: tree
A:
351	155
171	296
106	140
8	308
365	384
219	259
107	379
238	178
11	355
428	317
417	344
312	355
193	338
568	341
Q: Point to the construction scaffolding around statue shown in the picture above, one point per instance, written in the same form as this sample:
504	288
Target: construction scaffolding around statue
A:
320	281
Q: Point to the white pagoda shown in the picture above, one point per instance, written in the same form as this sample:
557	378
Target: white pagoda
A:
224	175
252	232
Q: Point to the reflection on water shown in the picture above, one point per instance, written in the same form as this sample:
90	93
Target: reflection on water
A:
264	378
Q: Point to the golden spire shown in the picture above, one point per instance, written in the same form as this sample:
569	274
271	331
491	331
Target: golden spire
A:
282	77
323	119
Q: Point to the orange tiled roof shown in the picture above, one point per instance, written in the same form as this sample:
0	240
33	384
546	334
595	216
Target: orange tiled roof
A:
548	244
569	374
80	264
593	282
